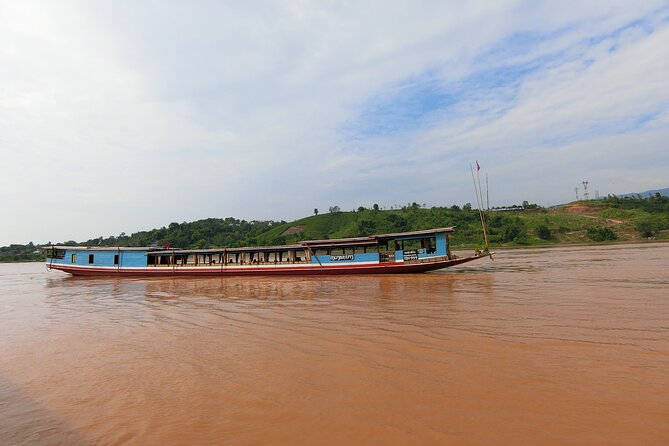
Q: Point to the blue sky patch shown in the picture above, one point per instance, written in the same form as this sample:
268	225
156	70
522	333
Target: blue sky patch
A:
418	102
499	72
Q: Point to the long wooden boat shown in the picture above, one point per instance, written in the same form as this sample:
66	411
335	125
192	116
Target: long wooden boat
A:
405	252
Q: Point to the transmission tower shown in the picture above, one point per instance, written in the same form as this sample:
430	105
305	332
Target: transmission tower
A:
586	195
576	190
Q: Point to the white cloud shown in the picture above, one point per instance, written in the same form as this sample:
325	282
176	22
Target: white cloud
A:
119	116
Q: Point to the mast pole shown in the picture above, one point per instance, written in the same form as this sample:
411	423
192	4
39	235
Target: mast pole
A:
478	204
478	178
487	195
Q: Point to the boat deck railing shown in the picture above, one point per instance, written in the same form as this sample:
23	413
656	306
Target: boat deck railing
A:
435	259
386	257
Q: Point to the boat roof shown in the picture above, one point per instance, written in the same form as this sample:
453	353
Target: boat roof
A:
416	233
219	250
374	239
351	241
99	248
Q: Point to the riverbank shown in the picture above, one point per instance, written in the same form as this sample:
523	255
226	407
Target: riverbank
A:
613	220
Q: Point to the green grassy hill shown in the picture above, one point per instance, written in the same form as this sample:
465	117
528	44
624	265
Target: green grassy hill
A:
580	222
624	219
367	222
621	219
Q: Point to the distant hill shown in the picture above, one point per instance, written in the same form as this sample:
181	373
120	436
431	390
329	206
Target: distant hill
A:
616	218
664	192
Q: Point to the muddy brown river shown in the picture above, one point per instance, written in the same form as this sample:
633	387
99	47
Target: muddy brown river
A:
556	346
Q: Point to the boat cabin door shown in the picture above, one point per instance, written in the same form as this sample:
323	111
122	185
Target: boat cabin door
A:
386	251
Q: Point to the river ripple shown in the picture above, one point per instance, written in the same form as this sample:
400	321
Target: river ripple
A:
542	346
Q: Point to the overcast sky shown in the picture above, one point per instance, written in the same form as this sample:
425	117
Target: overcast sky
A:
128	115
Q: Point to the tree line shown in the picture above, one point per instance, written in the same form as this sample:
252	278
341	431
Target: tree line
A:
530	224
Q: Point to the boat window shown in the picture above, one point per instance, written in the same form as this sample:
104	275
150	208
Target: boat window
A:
54	253
90	258
296	256
431	245
74	258
115	259
411	244
275	257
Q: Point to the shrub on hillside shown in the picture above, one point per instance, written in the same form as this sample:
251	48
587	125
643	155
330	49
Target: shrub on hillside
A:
366	227
513	231
399	223
646	227
601	234
544	232
507	228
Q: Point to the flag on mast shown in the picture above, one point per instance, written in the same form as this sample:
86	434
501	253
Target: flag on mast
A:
477	166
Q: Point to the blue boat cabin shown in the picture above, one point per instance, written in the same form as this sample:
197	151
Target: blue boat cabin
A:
407	247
